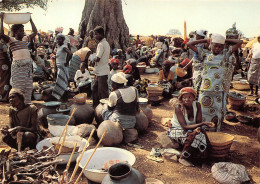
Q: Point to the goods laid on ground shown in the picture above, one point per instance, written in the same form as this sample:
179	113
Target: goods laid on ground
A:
30	166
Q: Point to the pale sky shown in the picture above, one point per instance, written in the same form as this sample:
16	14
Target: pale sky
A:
146	17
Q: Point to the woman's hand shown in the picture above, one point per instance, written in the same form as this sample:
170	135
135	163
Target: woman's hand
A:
169	124
197	130
5	130
209	124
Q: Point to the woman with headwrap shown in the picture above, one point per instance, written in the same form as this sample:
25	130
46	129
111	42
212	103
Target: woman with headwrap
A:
63	57
21	68
215	77
22	118
185	127
122	105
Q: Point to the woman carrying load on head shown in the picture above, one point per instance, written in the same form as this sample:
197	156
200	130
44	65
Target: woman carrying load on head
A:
21	68
217	69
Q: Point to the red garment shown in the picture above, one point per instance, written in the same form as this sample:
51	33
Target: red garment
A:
185	62
114	61
185	91
127	69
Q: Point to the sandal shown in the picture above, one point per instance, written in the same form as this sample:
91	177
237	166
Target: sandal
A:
137	145
154	158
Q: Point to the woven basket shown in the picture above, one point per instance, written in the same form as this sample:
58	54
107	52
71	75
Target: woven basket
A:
80	98
240	85
220	144
154	91
235	102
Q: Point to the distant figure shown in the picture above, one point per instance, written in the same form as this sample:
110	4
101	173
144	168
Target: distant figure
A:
74	40
254	69
101	68
91	42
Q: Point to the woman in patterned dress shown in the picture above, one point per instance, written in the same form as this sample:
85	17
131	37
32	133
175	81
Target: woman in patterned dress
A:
217	69
21	68
5	73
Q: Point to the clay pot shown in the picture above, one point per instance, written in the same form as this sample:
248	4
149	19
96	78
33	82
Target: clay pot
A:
141	122
123	173
143	103
83	114
98	115
45	111
114	134
130	135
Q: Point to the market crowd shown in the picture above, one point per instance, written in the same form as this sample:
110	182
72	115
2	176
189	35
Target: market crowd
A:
201	67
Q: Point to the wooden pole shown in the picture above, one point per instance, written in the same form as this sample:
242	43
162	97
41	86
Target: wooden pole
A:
81	155
90	157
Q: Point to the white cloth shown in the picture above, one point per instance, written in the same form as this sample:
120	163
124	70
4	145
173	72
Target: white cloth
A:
256	50
128	95
159	45
202	32
175	122
112	72
86	76
119	78
103	51
218	38
61	55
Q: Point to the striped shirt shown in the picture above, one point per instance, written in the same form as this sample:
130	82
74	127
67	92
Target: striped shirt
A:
19	48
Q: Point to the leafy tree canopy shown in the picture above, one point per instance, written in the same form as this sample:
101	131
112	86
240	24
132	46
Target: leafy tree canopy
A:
16	5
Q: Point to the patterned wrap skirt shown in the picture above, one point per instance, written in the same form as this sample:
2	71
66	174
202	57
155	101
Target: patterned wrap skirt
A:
74	65
21	77
195	144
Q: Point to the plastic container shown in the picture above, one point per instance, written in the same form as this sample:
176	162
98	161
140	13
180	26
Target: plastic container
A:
17	18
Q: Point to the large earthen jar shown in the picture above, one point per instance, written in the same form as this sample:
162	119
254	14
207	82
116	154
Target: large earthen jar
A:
114	133
98	113
141	122
123	173
48	108
143	103
83	114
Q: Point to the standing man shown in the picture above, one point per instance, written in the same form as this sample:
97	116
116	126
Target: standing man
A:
101	68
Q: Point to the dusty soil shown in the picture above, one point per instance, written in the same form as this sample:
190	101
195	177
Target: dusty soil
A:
244	150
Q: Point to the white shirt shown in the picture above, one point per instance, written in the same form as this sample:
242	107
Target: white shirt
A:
103	51
128	95
85	76
256	50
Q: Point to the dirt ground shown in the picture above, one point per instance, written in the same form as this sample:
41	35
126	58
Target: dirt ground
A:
245	148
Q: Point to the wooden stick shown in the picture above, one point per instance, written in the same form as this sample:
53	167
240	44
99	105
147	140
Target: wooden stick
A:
19	140
65	172
73	111
65	133
81	155
91	156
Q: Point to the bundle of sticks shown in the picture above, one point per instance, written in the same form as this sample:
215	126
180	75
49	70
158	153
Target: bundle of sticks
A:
30	166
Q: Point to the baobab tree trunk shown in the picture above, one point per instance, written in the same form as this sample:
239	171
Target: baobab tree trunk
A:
109	15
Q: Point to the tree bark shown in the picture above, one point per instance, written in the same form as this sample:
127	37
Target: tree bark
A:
109	15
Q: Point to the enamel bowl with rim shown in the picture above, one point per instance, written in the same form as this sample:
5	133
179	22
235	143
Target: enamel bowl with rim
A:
17	18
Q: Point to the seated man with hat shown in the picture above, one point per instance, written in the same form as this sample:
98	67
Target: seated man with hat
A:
122	105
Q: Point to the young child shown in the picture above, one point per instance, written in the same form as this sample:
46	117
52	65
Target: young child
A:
114	63
185	127
83	79
127	68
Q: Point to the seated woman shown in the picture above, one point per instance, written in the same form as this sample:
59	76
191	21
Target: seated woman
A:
123	103
185	127
83	80
166	77
22	118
